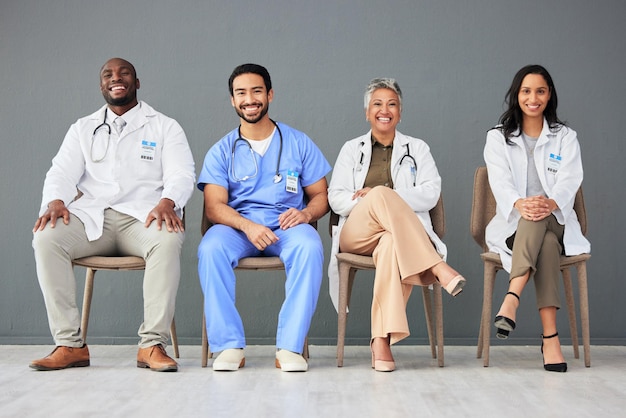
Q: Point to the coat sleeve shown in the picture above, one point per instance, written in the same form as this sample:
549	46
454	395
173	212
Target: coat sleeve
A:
342	182
178	165
501	178
67	168
570	174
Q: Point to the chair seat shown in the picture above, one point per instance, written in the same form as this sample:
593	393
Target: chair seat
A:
566	261
260	263
97	262
358	261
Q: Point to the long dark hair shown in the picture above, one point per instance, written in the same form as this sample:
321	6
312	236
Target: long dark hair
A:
511	119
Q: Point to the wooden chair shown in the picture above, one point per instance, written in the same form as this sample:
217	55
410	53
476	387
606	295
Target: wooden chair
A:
95	263
483	210
349	264
246	263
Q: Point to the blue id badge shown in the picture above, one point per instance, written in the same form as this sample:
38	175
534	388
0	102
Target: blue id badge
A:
554	163
148	150
292	181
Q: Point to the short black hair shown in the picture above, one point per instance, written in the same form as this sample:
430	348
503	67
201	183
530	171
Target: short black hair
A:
253	69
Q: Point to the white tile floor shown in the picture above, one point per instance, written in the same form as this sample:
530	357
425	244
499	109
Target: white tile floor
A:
515	385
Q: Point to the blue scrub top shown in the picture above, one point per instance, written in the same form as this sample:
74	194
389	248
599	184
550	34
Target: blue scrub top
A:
259	198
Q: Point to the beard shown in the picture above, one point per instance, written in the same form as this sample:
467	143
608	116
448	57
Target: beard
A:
255	119
120	101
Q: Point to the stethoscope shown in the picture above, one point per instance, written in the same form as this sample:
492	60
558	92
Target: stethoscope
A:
277	177
103	125
407	155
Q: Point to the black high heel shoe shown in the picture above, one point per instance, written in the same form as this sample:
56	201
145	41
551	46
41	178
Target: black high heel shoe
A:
554	367
504	324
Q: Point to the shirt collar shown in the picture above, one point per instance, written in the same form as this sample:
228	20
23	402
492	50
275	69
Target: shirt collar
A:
128	116
375	143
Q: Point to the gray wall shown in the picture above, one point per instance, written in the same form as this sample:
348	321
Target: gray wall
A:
454	60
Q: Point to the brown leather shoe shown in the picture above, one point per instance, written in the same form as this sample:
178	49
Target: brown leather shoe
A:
63	357
155	358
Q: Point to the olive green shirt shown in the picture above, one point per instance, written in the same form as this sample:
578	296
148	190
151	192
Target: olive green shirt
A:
379	173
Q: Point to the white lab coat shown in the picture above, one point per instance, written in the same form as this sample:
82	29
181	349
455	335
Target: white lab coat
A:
507	167
123	181
349	175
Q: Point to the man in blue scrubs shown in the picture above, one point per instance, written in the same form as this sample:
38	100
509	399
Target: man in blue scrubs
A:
263	184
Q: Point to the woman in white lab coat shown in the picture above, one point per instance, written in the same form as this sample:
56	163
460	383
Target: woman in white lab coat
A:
383	185
535	170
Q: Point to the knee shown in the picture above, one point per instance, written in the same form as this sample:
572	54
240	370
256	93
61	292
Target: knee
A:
309	245
45	240
382	192
210	246
169	243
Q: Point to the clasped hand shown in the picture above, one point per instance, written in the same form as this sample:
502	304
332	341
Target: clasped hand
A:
535	208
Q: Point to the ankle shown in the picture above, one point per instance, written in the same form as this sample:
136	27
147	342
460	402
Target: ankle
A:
381	348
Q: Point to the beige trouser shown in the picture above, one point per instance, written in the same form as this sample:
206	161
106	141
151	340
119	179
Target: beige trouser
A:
537	247
55	248
384	226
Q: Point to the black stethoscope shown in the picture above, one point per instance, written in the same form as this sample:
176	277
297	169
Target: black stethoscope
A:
277	176
103	125
406	155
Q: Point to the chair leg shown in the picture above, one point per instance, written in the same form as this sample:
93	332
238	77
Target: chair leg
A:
174	338
439	321
428	311
571	309
584	310
87	295
342	313
206	354
489	281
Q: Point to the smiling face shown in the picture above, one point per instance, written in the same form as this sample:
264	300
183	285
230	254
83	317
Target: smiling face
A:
119	84
383	113
250	97
533	96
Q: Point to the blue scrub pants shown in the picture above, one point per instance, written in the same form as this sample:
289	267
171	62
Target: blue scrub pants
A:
300	249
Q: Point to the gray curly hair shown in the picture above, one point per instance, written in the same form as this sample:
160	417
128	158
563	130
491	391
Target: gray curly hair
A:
382	83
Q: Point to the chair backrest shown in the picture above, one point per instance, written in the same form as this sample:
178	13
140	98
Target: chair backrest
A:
437	217
484	207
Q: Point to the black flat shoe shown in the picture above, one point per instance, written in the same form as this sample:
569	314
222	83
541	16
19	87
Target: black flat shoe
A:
553	367
504	324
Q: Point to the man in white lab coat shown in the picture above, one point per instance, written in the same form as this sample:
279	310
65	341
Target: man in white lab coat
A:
117	186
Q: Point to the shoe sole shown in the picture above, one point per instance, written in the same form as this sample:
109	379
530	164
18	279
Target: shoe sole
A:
229	367
504	327
458	286
47	369
291	367
142	365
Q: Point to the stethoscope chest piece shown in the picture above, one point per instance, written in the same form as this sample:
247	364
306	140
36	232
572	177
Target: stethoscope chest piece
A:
278	178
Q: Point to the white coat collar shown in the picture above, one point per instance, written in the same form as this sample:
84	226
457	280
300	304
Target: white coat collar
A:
545	135
139	116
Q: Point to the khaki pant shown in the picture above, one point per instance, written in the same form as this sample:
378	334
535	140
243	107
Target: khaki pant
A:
55	248
537	246
384	226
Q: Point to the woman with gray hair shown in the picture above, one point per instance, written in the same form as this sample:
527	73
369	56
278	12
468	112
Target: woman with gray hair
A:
383	185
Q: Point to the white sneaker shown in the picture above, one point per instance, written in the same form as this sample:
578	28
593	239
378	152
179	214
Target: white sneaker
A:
231	359
288	361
